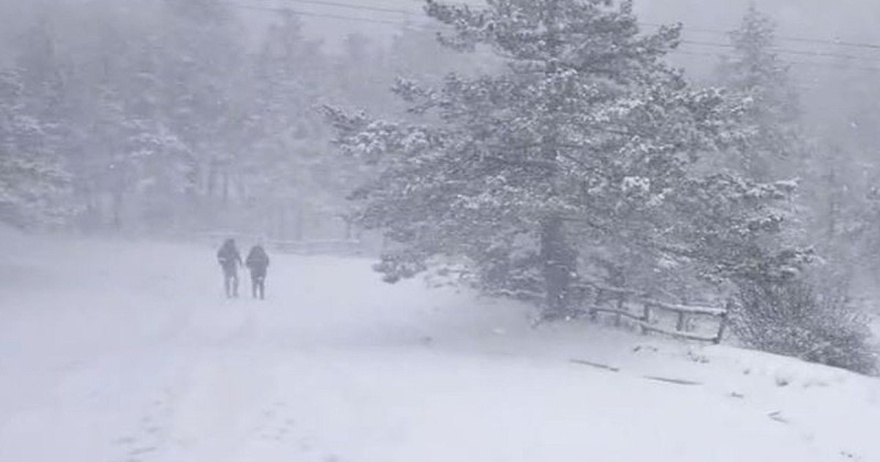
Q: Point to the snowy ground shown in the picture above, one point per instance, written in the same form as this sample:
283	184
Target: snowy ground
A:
124	352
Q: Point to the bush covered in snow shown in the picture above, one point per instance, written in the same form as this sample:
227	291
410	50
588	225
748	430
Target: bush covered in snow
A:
792	318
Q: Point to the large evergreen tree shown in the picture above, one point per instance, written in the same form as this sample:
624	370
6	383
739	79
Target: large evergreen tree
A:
582	141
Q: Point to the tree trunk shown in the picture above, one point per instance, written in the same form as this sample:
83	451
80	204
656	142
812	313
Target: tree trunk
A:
280	220
118	203
833	206
557	257
225	187
299	224
559	268
211	180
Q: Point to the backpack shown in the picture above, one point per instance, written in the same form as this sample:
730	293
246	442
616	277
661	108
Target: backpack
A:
257	257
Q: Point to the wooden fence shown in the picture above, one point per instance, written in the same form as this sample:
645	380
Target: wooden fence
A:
319	247
620	302
346	247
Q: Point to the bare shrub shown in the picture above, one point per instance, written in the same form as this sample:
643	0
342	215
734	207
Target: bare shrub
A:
792	319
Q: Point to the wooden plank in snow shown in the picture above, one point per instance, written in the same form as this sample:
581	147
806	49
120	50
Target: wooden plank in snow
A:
685	335
596	365
671	380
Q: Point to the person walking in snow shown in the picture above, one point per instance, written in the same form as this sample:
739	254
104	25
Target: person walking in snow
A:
230	260
257	261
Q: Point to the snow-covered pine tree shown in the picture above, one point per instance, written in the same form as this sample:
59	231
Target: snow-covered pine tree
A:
161	161
31	178
127	164
754	69
586	131
781	309
733	215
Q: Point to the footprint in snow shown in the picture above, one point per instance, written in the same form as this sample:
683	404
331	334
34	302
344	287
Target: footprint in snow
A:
274	424
148	436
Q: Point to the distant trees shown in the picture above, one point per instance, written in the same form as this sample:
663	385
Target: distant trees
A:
163	118
808	315
106	92
282	139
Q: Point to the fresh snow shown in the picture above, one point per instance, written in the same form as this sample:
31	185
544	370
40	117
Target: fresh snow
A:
127	351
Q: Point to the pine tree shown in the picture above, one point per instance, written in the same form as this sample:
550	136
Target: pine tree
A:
31	178
776	149
780	308
587	132
754	69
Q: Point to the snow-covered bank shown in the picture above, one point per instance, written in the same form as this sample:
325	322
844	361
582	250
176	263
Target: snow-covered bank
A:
129	352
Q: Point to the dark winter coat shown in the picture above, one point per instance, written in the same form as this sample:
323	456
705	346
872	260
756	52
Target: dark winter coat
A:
228	256
257	260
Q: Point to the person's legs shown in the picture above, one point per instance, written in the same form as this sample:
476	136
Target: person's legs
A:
235	283
254	284
257	278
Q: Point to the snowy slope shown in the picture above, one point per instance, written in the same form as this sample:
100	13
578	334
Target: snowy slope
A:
127	351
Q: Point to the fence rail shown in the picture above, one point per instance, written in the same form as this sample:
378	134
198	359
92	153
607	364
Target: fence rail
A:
300	247
618	301
313	247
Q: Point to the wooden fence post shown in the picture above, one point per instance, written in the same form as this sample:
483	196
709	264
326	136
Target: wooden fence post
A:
594	315
615	300
621	304
646	317
722	325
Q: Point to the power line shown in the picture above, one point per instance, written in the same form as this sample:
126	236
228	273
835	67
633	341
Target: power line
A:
784	38
680	51
781	38
353	7
307	13
404	24
872	46
781	50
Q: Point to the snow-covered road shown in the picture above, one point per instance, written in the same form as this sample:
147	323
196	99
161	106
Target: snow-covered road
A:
123	352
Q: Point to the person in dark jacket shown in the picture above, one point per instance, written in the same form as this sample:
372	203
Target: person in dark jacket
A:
257	261
230	260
